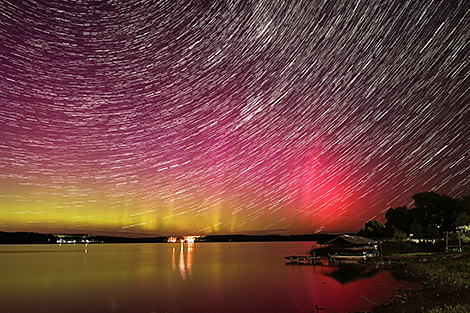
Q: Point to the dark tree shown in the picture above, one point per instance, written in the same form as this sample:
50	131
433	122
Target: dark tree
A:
397	219
373	229
433	209
432	215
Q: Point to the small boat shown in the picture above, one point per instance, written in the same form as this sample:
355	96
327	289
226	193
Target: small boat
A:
351	248
357	254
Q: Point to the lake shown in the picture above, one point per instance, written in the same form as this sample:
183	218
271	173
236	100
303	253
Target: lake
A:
175	277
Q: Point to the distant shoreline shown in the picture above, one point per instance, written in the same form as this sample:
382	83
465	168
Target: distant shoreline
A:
8	238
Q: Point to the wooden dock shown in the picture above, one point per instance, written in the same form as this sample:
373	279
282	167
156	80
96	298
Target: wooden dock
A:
304	259
378	260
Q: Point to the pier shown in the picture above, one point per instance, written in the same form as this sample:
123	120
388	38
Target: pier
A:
378	260
304	259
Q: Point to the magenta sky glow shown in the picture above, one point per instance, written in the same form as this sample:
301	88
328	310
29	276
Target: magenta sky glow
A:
144	118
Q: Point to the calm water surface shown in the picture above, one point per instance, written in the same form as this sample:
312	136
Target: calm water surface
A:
200	277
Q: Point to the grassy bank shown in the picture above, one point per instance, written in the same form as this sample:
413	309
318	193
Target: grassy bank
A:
452	270
447	285
459	308
397	247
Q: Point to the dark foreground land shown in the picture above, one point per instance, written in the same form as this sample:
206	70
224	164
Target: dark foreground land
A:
446	283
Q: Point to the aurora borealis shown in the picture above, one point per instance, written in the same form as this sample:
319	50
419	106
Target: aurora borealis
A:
212	117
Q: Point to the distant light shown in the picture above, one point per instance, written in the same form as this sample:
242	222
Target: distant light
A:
188	239
172	239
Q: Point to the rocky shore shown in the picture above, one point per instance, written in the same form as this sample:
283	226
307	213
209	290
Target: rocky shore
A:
438	292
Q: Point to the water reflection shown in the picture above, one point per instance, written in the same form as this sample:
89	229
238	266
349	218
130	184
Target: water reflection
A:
184	263
346	287
350	273
189	262
218	277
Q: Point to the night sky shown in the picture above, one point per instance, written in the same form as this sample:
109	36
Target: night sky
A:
140	118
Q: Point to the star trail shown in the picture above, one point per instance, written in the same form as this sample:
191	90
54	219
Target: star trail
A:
148	117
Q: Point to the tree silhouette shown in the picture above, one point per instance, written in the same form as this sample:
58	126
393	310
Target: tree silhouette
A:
431	216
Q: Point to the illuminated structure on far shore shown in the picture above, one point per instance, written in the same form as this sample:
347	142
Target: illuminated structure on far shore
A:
188	239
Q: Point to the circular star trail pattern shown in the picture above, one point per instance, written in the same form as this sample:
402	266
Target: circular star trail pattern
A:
212	117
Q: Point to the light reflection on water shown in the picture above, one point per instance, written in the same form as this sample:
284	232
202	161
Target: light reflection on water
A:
194	277
185	267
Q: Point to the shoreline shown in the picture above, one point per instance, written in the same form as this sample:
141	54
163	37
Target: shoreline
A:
50	238
437	292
